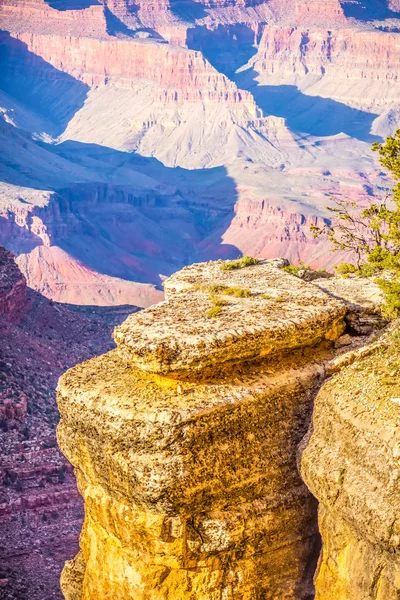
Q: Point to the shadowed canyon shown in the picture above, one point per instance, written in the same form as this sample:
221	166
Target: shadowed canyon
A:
139	137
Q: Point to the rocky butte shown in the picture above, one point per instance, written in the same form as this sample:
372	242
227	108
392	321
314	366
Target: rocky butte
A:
189	444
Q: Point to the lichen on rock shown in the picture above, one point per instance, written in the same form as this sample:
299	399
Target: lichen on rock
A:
280	313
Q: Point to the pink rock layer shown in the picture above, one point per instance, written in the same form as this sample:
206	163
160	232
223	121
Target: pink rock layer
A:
353	54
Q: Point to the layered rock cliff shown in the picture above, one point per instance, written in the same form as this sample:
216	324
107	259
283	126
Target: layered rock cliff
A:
270	107
184	441
356	58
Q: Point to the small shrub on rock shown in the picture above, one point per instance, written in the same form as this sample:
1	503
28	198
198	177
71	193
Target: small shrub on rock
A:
372	235
241	263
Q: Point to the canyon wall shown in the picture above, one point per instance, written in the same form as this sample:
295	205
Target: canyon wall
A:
41	510
185	72
239	120
185	452
40	235
43	17
356	53
311	11
13	292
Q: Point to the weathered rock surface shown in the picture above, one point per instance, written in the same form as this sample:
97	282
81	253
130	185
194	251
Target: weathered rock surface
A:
247	327
364	301
13	292
189	477
350	462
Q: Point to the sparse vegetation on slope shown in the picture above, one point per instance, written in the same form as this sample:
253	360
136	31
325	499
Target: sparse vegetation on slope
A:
294	269
372	236
241	263
306	272
217	301
219	288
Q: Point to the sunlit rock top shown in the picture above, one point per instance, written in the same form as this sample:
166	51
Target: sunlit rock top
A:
215	314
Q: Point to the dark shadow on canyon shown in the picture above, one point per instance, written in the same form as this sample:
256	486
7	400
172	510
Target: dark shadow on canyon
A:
114	25
128	230
368	10
46	91
227	47
188	10
101	211
118	28
15	238
72	4
312	115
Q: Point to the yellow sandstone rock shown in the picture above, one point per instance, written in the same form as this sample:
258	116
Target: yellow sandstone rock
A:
351	463
280	312
184	441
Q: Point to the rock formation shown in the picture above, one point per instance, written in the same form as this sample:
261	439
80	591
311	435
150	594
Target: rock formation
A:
184	441
215	128
40	508
351	464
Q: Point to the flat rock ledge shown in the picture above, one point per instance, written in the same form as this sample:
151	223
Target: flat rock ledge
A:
364	300
263	311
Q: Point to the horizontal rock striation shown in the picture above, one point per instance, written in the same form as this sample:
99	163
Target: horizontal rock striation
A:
189	478
352	54
40	17
95	57
315	11
181	75
350	462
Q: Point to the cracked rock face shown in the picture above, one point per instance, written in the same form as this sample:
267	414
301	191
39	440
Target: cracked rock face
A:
351	464
189	477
